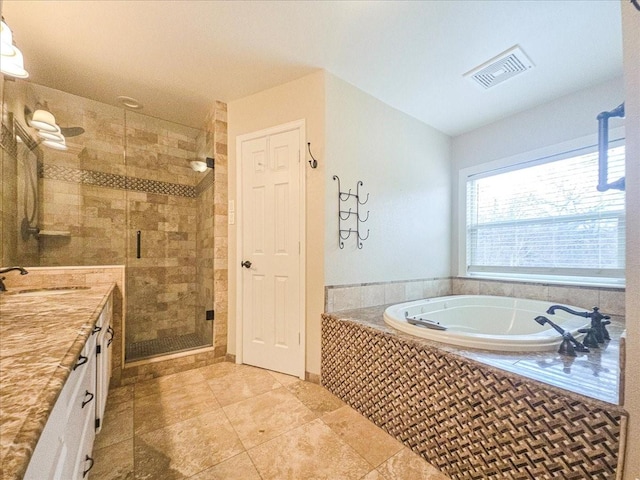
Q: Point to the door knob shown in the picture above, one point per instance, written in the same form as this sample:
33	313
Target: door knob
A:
246	264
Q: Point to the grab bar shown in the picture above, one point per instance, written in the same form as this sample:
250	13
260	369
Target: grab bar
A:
423	322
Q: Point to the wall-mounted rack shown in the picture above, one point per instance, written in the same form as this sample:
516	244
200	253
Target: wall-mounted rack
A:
345	216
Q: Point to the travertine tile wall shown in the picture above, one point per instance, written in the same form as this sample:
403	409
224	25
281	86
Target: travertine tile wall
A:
610	300
217	121
346	297
161	285
81	223
205	248
129	172
8	200
18	180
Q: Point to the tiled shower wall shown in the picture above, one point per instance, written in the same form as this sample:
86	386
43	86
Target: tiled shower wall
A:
212	228
162	283
126	173
347	297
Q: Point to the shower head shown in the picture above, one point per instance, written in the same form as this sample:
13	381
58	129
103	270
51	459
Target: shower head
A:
200	166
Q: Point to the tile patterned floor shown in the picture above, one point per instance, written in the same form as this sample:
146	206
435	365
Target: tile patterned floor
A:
235	422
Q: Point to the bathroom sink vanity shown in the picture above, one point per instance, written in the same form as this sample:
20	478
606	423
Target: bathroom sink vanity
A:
55	365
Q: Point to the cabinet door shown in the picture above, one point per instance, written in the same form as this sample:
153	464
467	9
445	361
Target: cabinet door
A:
103	365
57	445
49	457
81	461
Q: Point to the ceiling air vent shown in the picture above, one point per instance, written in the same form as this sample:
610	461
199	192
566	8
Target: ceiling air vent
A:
502	67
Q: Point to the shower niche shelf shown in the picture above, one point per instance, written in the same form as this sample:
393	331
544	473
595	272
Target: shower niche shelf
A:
349	218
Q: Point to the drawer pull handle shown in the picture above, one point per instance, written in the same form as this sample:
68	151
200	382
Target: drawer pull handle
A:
90	395
81	361
87	458
112	332
95	330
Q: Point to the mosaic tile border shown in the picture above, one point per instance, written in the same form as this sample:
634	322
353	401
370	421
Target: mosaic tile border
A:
111	180
470	421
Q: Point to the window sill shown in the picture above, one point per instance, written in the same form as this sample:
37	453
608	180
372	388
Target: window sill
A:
579	282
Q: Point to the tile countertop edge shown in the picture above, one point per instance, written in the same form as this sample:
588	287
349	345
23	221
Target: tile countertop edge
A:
15	458
351	316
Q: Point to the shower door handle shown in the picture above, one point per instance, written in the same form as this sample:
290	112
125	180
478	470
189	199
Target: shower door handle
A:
246	264
138	238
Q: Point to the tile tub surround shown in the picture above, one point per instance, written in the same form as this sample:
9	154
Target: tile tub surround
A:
41	340
362	295
469	419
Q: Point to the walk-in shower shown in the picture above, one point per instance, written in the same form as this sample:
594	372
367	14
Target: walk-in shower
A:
122	193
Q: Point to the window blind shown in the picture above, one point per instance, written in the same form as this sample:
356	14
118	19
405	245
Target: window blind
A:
548	219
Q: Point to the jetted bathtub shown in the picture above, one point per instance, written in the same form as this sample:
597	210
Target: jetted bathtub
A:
486	322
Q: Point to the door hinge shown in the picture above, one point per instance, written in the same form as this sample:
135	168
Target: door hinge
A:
98	349
97	423
209	314
298	338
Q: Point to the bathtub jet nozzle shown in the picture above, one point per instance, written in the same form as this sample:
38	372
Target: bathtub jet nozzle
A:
569	344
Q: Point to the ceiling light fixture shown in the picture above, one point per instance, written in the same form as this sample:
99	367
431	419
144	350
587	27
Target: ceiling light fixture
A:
11	59
130	102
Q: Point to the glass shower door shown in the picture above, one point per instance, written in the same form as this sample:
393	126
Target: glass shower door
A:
169	269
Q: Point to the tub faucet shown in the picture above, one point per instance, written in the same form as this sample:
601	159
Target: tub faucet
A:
598	320
9	269
569	344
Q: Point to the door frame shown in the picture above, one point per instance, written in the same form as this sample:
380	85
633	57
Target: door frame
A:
301	127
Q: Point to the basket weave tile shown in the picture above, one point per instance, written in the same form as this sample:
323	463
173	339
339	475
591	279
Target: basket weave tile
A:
470	422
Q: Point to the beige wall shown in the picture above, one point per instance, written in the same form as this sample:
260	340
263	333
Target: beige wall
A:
631	35
405	167
300	99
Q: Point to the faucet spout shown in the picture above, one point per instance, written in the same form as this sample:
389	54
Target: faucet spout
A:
552	311
10	269
3	288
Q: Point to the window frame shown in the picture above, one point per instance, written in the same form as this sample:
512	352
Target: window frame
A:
551	153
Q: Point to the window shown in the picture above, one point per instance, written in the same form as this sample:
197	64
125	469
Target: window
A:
546	218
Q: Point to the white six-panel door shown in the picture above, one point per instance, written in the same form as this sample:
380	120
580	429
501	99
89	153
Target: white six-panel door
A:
271	220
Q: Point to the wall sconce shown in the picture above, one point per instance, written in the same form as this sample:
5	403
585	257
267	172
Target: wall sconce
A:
44	120
11	59
45	123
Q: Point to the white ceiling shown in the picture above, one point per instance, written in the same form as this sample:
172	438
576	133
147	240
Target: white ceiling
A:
177	57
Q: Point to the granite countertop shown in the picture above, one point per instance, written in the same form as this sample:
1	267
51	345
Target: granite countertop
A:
595	374
40	340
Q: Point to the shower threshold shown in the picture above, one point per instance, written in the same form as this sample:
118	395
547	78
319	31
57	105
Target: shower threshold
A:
162	346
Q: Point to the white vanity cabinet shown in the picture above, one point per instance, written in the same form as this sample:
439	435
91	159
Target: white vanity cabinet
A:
64	450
